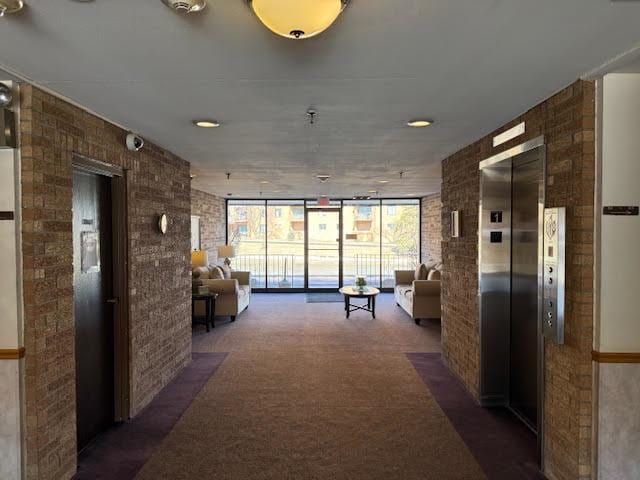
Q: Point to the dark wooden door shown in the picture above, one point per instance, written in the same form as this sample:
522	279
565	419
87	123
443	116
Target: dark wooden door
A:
93	284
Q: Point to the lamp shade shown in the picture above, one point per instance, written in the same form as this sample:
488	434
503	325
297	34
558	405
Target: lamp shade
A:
199	258
226	251
297	18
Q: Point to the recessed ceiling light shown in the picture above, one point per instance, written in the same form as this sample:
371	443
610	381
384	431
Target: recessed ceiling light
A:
383	181
419	123
264	182
373	191
206	123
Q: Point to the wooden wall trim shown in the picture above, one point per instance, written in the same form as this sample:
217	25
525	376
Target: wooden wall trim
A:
11	353
615	357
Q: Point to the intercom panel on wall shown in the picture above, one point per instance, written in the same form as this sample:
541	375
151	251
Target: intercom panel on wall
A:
554	234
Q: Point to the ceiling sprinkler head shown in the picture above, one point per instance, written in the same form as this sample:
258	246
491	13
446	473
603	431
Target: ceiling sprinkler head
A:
323	178
186	6
296	33
312	113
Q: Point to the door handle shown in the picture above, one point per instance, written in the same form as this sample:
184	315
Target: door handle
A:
112	300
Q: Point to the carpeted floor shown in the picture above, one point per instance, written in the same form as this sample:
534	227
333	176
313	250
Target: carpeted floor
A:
306	394
120	452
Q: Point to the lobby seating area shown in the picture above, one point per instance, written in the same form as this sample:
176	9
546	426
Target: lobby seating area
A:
418	292
233	289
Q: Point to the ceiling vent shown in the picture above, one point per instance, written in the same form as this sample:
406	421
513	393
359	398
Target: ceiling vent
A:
186	6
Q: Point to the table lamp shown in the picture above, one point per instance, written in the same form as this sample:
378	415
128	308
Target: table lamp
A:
199	258
226	251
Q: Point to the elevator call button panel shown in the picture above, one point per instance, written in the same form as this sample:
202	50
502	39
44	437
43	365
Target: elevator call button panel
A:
554	273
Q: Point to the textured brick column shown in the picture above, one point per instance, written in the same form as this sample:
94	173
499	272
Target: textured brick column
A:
431	226
211	210
52	131
567	120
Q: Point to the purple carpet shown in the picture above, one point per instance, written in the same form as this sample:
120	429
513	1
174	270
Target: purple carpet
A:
501	444
122	451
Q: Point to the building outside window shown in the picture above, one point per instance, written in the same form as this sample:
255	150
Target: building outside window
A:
378	237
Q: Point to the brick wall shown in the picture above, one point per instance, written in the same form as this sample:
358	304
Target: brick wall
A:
431	228
211	210
567	120
160	337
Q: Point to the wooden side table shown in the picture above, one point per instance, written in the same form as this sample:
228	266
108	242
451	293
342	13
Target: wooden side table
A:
209	300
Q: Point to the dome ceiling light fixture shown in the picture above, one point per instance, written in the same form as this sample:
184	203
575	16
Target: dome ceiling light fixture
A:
185	6
297	19
10	6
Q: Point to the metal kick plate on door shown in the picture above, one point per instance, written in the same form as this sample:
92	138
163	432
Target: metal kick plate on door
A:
554	235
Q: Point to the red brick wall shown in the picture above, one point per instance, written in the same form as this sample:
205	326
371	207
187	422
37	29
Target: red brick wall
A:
157	182
431	228
567	120
211	210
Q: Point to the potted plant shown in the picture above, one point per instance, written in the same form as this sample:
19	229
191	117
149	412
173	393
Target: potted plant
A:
361	283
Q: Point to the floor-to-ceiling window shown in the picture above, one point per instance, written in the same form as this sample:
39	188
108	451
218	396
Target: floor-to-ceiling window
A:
293	244
285	244
400	237
246	230
361	240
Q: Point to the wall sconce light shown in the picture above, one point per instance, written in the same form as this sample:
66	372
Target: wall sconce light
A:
455	224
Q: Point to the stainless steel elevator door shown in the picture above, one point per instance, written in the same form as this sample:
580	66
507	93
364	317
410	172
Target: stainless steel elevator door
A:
523	358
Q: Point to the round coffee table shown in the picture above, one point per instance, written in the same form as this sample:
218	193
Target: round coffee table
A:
352	292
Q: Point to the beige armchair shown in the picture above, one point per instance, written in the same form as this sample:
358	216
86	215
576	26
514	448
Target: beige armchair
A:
419	298
234	294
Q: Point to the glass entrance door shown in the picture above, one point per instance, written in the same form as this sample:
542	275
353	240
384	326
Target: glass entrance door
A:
323	248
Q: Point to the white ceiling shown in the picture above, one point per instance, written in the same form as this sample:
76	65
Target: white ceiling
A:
471	65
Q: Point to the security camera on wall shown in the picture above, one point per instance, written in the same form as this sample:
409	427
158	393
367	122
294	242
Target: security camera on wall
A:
134	142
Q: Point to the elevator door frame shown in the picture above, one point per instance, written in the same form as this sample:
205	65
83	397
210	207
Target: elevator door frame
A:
488	394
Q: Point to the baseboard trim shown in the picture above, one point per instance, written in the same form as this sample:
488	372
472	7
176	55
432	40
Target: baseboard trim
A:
615	357
11	353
